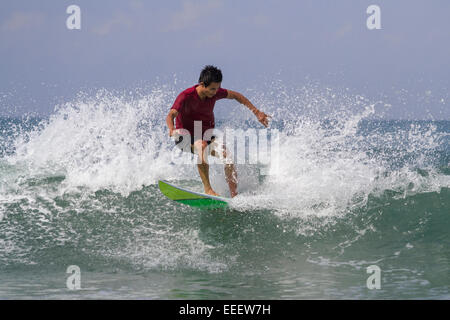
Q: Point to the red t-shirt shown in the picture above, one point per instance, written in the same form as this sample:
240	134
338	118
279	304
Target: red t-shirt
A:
191	108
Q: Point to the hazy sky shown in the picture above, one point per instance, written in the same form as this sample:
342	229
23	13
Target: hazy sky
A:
124	43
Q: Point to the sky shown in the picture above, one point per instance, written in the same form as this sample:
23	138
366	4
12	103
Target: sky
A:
124	44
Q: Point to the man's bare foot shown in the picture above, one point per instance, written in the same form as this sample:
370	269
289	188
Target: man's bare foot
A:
233	194
211	192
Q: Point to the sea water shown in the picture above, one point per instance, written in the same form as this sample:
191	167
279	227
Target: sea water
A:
348	191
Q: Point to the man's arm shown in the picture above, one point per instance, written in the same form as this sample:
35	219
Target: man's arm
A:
261	116
169	120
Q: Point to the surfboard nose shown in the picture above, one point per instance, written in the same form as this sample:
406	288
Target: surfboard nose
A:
191	198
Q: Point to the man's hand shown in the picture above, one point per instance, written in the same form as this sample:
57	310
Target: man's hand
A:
263	118
173	132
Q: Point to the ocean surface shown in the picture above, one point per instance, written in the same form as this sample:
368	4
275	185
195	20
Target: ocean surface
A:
349	191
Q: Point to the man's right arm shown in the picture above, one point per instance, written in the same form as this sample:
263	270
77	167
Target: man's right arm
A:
169	120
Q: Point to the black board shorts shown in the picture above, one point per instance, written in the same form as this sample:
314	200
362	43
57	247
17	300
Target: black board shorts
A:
179	142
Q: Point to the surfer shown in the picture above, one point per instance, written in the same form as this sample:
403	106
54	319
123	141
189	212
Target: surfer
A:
195	105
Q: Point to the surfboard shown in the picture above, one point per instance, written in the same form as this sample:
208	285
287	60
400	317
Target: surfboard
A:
191	198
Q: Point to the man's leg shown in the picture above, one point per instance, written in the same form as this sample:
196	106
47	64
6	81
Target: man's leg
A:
203	166
231	177
229	168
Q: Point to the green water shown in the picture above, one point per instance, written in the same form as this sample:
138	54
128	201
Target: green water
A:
144	246
310	231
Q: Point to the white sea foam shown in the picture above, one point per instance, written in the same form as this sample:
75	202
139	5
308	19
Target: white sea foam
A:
120	142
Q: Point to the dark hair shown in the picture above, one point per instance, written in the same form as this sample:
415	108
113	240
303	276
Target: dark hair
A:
210	74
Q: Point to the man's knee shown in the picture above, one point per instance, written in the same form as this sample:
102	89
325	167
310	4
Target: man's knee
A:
200	142
200	147
222	153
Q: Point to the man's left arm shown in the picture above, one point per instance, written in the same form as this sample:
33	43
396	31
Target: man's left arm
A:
261	116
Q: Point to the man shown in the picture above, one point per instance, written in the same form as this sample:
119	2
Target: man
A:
196	104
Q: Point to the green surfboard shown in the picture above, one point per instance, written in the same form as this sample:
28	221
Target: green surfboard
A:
191	198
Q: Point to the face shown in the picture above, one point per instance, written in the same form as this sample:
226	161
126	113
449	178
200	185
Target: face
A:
211	90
